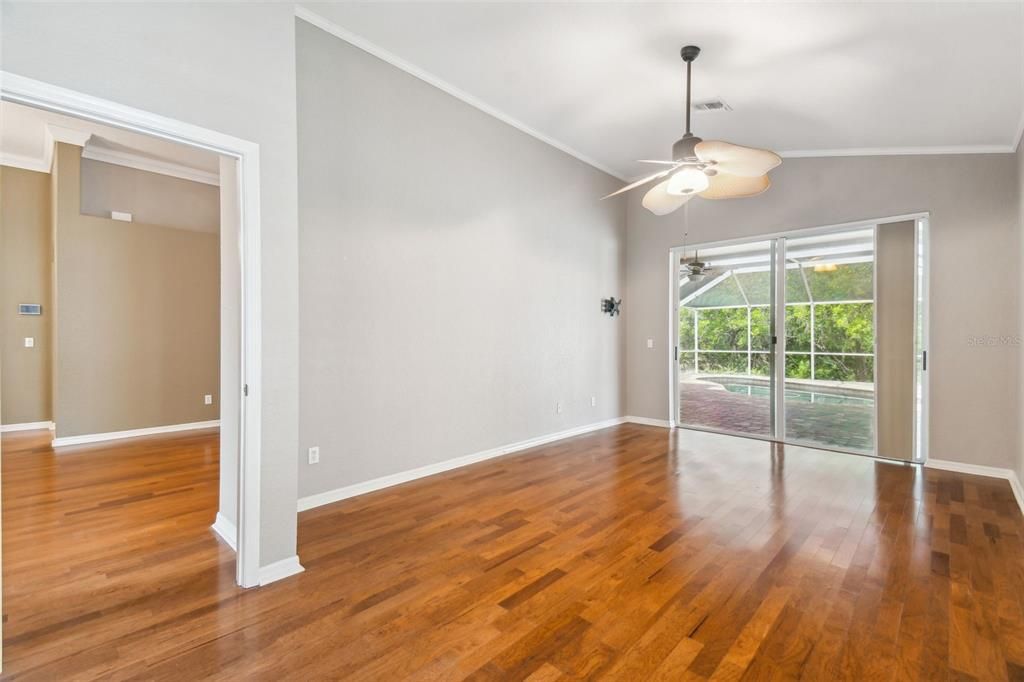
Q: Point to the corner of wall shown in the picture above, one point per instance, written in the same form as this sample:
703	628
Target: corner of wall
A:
1019	188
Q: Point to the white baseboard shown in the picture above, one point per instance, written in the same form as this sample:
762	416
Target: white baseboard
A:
133	433
280	570
370	486
226	531
980	470
647	421
1018	490
26	426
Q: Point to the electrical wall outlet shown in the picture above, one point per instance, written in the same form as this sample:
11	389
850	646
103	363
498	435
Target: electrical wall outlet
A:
593	401
30	342
314	454
208	399
650	343
558	408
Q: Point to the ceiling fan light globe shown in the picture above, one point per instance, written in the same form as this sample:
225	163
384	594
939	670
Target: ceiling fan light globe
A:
696	277
659	202
687	181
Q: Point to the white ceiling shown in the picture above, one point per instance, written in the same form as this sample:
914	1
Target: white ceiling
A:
605	82
26	139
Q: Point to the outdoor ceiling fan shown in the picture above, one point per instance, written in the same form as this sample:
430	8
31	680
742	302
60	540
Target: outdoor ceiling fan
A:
696	270
712	169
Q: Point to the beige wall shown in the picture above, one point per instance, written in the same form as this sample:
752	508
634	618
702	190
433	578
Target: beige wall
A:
25	278
895	269
151	198
137	310
975	224
452	271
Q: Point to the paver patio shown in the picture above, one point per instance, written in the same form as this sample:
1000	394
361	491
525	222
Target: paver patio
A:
710	405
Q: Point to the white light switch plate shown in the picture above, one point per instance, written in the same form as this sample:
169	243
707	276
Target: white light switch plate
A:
314	454
30	342
650	343
208	400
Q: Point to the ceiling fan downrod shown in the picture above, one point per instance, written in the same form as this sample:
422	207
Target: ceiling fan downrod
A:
683	149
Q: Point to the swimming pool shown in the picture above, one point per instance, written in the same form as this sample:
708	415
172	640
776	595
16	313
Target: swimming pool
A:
817	397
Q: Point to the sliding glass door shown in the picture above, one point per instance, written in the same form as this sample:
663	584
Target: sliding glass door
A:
806	339
725	363
829	391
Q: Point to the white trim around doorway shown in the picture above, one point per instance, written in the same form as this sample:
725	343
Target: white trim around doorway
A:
34	93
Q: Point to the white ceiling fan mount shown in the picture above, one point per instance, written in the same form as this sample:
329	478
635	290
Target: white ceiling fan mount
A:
712	169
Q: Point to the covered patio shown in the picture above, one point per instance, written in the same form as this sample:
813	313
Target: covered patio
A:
725	349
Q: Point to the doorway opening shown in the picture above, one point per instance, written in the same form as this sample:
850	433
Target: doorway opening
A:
238	519
812	337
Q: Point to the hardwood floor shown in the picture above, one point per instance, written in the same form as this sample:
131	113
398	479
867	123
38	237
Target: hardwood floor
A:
631	553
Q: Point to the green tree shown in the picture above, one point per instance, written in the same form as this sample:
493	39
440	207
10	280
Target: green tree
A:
686	329
839	327
722	363
844	327
798	366
760	329
722	329
798	328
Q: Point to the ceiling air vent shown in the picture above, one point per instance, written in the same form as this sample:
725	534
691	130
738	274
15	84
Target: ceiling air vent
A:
711	105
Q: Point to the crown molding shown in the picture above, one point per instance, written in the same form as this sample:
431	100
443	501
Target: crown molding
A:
898	151
143	163
55	133
40	164
888	151
394	60
30	163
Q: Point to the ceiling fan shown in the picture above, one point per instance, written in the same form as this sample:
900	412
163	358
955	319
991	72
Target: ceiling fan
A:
712	169
695	269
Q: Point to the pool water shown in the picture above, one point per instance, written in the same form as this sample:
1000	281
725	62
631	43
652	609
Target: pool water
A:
801	396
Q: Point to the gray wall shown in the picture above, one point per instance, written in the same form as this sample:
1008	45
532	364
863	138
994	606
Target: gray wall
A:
1020	322
25	275
233	70
451	271
975	261
151	198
